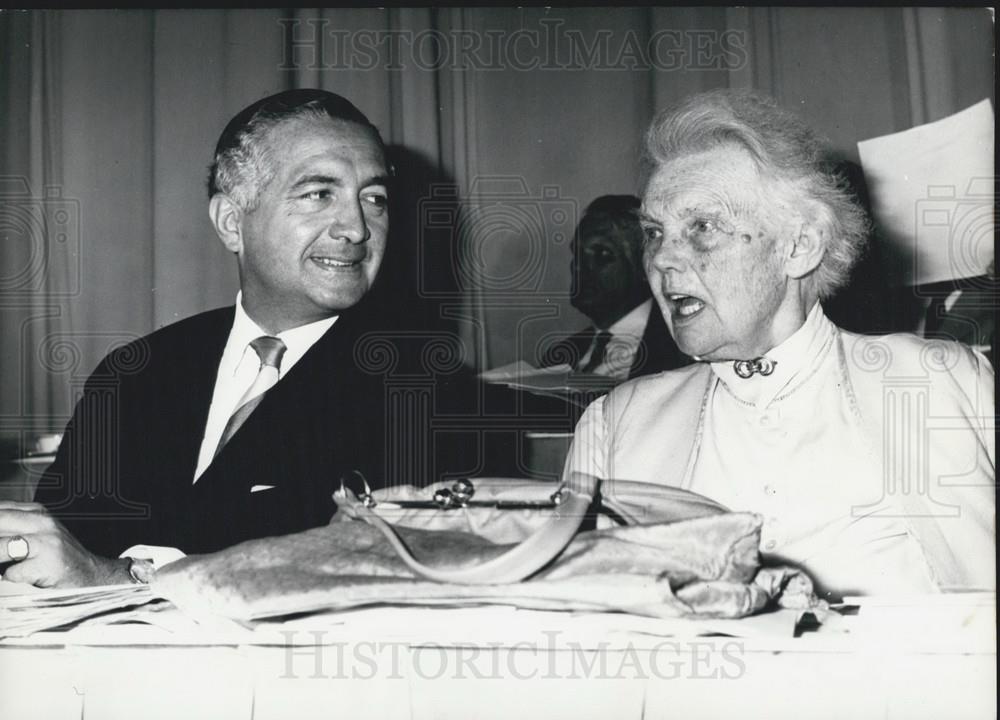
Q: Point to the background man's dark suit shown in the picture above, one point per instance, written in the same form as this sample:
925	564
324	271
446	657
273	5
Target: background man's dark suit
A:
145	409
657	350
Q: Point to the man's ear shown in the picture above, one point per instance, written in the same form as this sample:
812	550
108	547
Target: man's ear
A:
807	248
227	217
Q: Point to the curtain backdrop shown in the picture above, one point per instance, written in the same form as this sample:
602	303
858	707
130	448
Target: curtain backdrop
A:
504	124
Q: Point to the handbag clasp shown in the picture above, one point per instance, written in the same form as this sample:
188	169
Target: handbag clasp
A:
458	496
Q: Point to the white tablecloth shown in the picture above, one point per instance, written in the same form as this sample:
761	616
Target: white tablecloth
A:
926	658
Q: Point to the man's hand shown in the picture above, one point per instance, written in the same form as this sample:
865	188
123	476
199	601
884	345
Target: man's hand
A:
55	558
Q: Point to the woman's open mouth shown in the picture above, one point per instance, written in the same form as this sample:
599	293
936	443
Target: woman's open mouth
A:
685	306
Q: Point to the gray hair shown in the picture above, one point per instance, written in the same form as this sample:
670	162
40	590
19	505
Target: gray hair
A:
243	165
781	145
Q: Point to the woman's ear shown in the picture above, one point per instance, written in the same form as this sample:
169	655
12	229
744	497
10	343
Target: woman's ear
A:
226	217
809	243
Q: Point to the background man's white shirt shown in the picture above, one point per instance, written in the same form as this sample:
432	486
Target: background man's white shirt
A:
626	335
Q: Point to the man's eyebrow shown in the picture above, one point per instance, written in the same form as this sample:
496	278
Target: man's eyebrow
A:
317	180
376	180
337	182
645	218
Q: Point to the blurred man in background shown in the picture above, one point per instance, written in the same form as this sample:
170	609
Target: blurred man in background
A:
628	336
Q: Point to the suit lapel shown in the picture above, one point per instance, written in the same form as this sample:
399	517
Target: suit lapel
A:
186	391
293	417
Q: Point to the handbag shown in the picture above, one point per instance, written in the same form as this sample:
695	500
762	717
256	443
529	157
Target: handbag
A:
536	517
655	551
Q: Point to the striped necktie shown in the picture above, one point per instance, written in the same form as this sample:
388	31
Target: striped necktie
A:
269	350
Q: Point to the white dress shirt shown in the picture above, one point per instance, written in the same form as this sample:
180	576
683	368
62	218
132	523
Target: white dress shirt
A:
237	370
626	335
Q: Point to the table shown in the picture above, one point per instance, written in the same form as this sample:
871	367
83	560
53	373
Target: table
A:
419	666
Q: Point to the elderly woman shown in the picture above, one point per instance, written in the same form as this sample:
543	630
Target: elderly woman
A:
869	459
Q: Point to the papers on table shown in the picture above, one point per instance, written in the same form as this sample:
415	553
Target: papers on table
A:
522	371
131	614
481	625
932	193
556	381
37	610
15	588
500	625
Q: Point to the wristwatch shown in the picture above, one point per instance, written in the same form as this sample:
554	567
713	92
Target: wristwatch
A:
141	570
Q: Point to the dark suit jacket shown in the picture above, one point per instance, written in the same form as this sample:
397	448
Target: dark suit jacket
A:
657	350
972	317
124	470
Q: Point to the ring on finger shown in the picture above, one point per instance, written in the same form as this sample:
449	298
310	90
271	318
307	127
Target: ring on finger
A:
17	548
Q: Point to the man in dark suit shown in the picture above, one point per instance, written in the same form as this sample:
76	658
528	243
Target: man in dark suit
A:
628	337
239	422
965	310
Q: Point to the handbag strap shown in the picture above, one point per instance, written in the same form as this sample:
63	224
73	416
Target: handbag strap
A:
520	562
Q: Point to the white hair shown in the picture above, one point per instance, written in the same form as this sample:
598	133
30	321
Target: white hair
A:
782	146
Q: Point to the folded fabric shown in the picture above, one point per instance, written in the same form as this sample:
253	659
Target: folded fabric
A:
703	567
